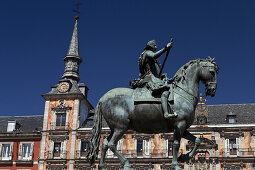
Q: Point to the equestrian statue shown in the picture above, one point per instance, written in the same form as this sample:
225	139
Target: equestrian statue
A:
154	104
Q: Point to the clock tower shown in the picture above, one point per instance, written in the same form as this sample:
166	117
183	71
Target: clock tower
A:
66	109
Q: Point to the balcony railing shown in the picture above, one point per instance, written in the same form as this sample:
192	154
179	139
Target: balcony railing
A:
80	154
57	155
59	126
25	156
150	153
6	157
246	151
239	152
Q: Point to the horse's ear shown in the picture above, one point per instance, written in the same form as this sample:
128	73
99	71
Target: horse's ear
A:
210	59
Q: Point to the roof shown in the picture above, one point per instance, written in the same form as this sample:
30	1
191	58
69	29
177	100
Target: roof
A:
26	123
245	113
217	114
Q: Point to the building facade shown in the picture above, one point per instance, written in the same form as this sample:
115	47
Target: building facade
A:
20	138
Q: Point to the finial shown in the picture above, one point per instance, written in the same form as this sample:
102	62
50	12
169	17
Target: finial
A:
76	10
76	17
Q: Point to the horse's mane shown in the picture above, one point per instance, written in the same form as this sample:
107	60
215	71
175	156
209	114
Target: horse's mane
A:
181	73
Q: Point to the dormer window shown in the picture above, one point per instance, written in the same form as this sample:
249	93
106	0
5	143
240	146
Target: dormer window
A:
201	120
231	118
11	126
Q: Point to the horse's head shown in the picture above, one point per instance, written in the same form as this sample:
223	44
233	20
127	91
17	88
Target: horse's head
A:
208	72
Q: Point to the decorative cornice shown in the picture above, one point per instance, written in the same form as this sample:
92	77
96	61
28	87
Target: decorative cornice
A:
167	137
142	137
61	107
231	135
58	138
205	144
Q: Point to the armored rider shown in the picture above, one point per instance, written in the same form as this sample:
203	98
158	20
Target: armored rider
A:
149	68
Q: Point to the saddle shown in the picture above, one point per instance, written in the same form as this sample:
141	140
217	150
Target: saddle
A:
143	96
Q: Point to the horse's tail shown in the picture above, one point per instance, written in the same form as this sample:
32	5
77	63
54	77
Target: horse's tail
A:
96	135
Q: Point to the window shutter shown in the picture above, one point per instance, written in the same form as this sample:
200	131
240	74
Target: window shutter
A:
165	144
62	150
11	151
227	147
119	146
31	151
146	147
79	149
1	151
20	154
237	146
51	150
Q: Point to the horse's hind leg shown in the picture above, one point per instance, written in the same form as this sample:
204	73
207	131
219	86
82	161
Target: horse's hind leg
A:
178	132
187	135
112	145
104	150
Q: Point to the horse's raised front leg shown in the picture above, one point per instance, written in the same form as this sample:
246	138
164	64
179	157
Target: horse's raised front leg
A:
112	145
187	135
178	132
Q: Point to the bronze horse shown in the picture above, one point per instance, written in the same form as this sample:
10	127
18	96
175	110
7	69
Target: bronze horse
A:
122	113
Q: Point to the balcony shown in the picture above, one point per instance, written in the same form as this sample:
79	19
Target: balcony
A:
151	153
57	155
25	158
80	154
240	152
58	126
6	159
246	152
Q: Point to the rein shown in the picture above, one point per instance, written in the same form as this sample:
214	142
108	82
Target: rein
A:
196	98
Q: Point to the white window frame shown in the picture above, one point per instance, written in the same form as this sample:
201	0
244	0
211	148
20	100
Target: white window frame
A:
1	149
20	155
54	118
63	153
146	148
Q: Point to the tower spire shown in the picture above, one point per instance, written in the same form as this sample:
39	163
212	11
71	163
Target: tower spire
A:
72	59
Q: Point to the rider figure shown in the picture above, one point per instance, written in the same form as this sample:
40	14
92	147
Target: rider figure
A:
149	68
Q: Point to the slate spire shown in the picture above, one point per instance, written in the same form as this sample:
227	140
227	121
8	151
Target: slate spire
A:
72	59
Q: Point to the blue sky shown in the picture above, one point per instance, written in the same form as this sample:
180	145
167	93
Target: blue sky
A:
35	36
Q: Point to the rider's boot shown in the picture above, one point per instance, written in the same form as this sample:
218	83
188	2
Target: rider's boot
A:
164	103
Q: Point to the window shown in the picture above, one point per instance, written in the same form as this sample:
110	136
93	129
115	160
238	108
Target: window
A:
170	150
57	149
232	146
231	119
201	121
11	126
139	148
85	148
26	148
61	120
6	151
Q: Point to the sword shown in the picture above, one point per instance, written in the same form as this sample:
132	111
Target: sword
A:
164	62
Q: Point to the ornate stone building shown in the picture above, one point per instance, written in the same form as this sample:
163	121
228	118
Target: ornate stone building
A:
66	108
227	132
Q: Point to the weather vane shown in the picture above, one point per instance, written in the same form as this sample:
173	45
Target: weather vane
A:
76	10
